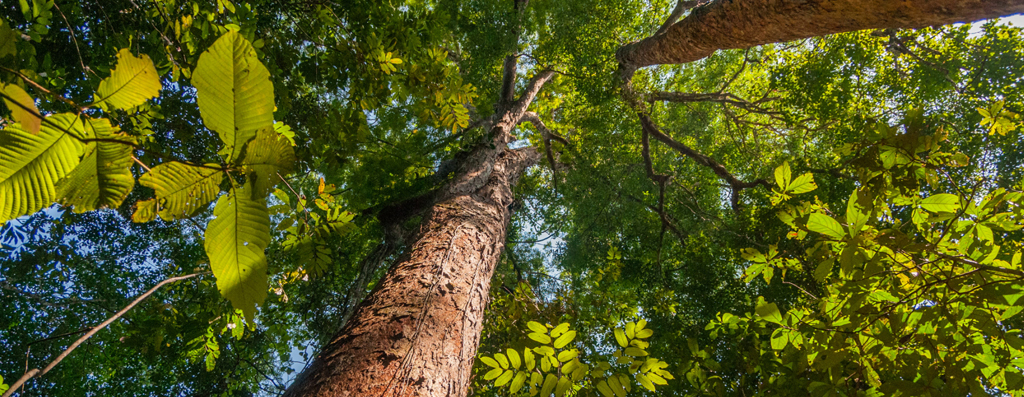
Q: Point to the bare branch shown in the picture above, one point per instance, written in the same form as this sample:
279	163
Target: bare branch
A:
735	183
532	89
34	372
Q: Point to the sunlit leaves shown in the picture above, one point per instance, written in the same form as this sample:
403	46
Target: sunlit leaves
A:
997	118
32	164
182	189
824	224
268	158
787	186
132	82
22	107
103	178
235	240
235	95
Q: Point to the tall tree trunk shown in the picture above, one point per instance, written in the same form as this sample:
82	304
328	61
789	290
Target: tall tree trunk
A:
417	333
731	24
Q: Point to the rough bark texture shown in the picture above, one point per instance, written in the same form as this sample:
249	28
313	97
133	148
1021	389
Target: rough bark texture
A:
730	24
417	333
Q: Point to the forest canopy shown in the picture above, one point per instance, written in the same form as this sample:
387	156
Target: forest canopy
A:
510	198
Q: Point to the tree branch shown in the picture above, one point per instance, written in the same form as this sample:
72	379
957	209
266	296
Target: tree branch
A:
735	183
532	89
36	372
681	7
723	24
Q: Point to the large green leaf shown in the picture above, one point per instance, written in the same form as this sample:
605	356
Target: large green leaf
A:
182	189
267	156
132	82
235	240
104	177
235	95
31	164
23	108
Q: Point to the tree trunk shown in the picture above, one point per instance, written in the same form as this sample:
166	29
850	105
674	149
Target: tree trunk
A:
732	24
418	331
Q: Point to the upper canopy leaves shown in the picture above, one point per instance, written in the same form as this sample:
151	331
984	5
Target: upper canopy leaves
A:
267	156
133	81
24	111
236	97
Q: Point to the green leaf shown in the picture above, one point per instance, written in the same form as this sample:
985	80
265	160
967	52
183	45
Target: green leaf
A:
630	330
559	330
517	382
620	337
802	184
235	240
645	382
504	378
539	337
768	311
562	386
782	176
235	95
513	358
502	360
31	164
494	373
145	211
858	210
489	362
537	327
604	389
636	352
644	333
549	385
23	108
132	82
104	177
266	157
529	359
823	270
182	189
824	224
779	339
567	355
564	339
943	202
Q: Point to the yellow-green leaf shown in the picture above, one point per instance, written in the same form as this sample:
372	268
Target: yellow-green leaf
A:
23	107
530	359
564	339
235	240
562	386
489	362
537	327
646	383
235	95
103	178
943	202
539	337
567	355
824	224
494	373
630	330
604	389
559	330
517	382
145	211
182	189
31	164
549	385
644	333
502	360
802	184
132	82
513	358
503	379
636	352
620	337
782	175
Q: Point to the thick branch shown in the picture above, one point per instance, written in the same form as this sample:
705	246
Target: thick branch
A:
735	183
508	83
34	372
532	89
732	24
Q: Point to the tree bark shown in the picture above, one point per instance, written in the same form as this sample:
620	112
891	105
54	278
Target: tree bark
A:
732	24
417	333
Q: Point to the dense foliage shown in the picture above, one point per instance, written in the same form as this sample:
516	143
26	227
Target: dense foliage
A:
876	249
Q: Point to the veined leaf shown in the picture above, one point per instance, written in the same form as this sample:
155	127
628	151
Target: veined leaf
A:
145	211
31	164
104	177
235	95
782	176
131	83
235	240
266	156
564	339
943	202
182	189
537	327
824	224
489	361
802	184
23	109
549	385
504	378
620	337
517	382
513	358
